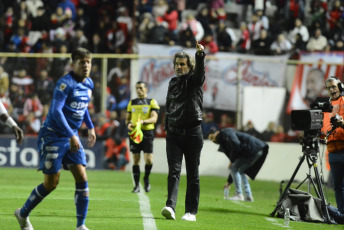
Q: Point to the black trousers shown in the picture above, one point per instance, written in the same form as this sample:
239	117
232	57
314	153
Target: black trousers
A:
189	144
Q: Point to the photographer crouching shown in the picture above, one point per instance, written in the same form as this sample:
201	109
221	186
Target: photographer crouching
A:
333	128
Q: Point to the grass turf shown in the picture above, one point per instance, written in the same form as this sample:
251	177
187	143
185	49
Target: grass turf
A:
113	206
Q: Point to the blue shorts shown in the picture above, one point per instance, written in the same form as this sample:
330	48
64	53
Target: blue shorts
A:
55	151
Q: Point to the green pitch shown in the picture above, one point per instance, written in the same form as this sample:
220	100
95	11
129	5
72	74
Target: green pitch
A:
113	206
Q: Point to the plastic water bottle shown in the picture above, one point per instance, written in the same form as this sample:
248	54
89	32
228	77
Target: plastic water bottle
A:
226	193
286	217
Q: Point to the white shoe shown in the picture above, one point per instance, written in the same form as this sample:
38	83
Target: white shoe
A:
189	217
249	198
23	222
237	197
168	213
82	227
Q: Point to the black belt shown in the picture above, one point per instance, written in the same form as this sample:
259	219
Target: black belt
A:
183	131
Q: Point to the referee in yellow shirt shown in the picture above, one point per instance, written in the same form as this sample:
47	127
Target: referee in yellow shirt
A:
147	110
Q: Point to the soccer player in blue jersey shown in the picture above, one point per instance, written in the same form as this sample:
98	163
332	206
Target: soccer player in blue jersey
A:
58	140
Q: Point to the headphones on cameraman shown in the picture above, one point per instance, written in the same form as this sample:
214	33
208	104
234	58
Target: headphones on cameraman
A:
340	84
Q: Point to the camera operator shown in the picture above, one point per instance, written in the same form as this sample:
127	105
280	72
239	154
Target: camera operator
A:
333	127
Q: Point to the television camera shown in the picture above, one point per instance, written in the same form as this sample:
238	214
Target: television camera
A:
310	121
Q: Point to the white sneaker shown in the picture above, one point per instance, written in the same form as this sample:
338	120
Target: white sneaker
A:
23	222
82	227
189	217
168	213
237	197
249	198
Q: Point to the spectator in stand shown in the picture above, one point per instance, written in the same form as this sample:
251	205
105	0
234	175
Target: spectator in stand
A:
20	40
204	18
159	32
226	122
244	42
116	39
268	132
281	45
4	81
195	26
68	5
17	98
298	46
217	15
299	28
338	45
6	101
250	129
23	80
159	8
210	46
186	38
335	14
58	67
147	23
255	26
223	38
208	124
39	25
279	135
31	125
261	46
8	19
116	154
159	130
171	17
57	18
263	19
83	21
97	44
33	104
79	40
318	42
44	86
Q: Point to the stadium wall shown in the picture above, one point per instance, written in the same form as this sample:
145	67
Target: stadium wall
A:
280	163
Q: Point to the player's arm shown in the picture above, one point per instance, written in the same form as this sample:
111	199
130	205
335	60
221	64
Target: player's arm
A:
57	105
8	120
128	122
91	132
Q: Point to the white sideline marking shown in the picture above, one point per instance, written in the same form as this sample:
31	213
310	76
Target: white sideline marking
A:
275	222
147	216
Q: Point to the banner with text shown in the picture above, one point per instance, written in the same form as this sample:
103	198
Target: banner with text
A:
221	74
26	155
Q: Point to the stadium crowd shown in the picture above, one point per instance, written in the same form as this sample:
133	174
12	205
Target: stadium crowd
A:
103	26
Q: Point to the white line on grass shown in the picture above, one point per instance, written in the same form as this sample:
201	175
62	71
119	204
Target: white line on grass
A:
147	216
275	222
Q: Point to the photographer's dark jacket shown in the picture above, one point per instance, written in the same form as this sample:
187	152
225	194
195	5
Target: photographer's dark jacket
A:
335	140
185	97
242	145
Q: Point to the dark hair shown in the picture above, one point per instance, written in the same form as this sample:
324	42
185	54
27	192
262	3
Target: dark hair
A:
190	60
212	131
142	82
80	53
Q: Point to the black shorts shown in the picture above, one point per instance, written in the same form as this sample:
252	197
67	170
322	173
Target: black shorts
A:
146	145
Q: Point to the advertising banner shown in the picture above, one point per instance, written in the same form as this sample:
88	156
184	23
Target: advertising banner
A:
26	155
221	73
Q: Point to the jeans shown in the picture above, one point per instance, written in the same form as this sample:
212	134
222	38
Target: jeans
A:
190	146
238	169
336	161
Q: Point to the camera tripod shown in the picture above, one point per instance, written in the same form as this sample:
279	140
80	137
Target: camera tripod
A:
310	149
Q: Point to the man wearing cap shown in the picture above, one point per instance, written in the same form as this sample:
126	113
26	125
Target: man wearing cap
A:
145	111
